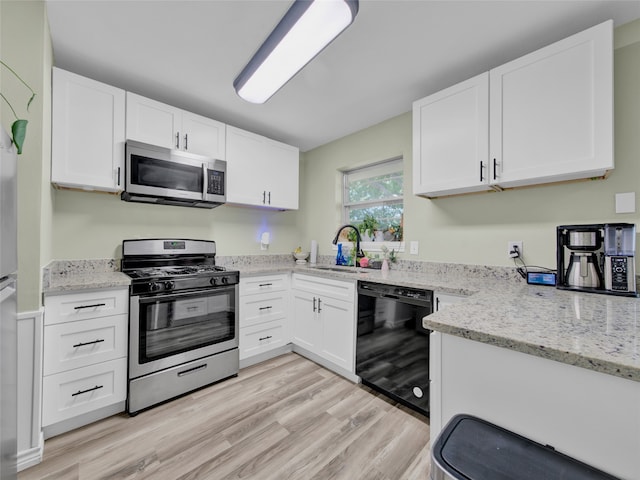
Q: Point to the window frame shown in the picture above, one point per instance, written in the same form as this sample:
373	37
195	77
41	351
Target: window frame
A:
375	247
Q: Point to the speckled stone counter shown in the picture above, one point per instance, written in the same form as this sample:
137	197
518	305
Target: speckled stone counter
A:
62	276
593	331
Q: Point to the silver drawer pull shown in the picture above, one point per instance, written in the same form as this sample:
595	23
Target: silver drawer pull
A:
95	305
80	392
84	344
192	370
192	308
265	284
265	338
265	308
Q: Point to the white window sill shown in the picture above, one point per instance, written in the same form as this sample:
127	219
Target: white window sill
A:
375	247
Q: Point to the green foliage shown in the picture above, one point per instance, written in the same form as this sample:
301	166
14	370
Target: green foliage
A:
19	127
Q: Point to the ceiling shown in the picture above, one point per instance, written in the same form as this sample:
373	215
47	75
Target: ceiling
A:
187	54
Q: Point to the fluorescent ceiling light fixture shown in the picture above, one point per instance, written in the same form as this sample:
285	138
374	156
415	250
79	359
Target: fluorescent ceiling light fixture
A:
307	27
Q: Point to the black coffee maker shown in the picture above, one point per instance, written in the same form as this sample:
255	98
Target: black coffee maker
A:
583	258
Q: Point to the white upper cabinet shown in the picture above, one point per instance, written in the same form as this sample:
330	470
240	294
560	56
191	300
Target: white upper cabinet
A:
260	171
552	111
160	124
545	117
452	144
88	133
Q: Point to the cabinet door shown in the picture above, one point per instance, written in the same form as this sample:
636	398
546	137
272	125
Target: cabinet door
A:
282	180
451	140
552	110
153	122
338	332
307	331
443	300
203	136
88	133
246	172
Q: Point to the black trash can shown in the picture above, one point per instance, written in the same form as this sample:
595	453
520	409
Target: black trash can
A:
470	448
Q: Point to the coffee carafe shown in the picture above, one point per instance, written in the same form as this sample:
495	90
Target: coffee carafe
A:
583	270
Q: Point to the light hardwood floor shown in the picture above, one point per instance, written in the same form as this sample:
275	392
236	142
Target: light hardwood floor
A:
287	418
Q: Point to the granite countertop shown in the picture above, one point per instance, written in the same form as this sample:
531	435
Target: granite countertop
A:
594	331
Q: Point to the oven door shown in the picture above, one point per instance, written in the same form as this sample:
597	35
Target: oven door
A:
171	329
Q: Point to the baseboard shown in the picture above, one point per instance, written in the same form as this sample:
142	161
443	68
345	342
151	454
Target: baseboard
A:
33	456
263	357
326	363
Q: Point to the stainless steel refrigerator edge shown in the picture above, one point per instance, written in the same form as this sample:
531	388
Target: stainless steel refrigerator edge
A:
8	308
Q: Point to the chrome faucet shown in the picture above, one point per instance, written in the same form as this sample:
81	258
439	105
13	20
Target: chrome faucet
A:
359	252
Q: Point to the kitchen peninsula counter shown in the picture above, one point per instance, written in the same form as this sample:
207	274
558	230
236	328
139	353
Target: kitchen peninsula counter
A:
594	331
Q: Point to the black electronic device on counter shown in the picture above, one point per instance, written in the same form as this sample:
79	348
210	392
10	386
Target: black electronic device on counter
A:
597	258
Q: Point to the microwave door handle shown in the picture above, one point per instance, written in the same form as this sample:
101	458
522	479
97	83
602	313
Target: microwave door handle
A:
204	181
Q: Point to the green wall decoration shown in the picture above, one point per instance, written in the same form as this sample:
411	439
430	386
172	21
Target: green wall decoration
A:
19	127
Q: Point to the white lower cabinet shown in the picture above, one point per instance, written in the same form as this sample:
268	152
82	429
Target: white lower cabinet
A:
264	317
588	415
85	358
443	300
323	319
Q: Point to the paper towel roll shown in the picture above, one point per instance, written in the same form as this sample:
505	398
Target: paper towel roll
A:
314	252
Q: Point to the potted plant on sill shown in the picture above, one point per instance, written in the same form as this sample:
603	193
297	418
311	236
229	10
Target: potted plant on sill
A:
19	126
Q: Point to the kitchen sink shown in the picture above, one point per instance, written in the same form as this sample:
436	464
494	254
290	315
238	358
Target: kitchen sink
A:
345	269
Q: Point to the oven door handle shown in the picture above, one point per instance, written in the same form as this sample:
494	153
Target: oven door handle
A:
190	294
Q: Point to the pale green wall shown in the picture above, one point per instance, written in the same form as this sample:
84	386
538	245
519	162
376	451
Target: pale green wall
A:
475	229
26	47
93	225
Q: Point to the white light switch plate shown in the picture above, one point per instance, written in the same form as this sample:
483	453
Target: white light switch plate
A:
413	247
626	202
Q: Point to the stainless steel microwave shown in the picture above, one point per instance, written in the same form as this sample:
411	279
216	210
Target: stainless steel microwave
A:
171	177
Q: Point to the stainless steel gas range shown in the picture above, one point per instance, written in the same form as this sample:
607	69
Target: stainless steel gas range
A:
183	319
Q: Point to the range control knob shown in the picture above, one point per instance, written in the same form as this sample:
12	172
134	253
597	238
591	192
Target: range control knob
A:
213	281
154	287
168	285
225	280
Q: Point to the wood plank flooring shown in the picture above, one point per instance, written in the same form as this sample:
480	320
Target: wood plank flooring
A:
284	419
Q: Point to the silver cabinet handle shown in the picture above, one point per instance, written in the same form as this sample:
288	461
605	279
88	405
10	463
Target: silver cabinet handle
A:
437	304
178	140
264	197
269	198
118	183
265	308
314	304
265	338
265	284
495	169
481	172
319	309
186	141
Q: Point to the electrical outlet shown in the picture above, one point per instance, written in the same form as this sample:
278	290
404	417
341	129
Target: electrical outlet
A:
413	247
510	249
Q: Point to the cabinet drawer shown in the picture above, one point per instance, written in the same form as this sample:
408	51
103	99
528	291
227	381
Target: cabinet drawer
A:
80	306
264	284
262	338
255	309
69	394
86	342
337	289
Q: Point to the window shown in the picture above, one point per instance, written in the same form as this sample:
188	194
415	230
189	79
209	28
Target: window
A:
373	200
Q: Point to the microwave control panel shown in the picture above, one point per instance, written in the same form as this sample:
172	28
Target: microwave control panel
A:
215	182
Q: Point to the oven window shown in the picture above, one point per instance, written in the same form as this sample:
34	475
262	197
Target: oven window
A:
151	172
176	324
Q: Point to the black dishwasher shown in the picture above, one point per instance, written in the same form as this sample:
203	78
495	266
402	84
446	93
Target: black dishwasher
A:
392	346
